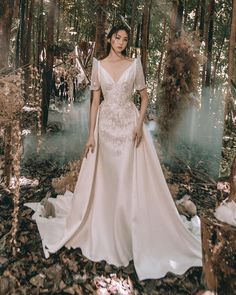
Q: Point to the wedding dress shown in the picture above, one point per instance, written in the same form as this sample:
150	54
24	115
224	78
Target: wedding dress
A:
121	208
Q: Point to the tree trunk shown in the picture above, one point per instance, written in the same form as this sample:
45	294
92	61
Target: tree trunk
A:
40	33
232	41
101	24
218	252
28	42
206	73
8	11
196	18
202	19
47	73
137	39
173	17
185	13
162	52
210	42
28	49
145	31
217	58
176	19
20	34
232	195
7	155
23	29
58	19
132	22
123	7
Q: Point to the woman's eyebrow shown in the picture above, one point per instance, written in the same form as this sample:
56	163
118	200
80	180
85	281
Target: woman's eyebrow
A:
117	35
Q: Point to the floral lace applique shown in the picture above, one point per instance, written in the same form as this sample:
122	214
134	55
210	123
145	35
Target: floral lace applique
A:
116	125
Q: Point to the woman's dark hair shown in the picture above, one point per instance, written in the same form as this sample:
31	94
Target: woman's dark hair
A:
115	30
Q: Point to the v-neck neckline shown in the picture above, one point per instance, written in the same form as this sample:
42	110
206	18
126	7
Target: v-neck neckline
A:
116	81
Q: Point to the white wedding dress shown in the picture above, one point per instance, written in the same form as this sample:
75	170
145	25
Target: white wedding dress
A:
121	208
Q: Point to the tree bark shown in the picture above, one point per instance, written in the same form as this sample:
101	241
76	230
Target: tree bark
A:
8	11
210	42
23	29
137	39
206	73
162	52
47	73
40	37
132	22
232	195
7	155
176	19
232	41
218	250
202	19
123	7
58	19
145	33
217	58
20	34
196	18
28	43
101	24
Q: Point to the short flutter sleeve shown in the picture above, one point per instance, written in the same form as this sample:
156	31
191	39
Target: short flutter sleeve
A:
139	82
95	84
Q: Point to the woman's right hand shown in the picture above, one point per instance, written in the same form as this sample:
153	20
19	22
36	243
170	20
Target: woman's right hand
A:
89	145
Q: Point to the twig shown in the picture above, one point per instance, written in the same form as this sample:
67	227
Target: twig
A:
194	174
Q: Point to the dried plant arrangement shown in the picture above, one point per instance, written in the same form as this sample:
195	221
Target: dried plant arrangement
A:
180	84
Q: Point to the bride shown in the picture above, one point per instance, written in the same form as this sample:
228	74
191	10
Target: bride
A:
121	208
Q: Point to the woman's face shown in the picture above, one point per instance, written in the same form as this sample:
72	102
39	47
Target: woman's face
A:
119	41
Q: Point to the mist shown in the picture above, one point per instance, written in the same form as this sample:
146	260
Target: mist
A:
66	133
201	133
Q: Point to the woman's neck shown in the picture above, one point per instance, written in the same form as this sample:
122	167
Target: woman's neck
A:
114	56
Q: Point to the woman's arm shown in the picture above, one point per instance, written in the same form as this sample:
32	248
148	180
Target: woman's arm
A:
93	111
144	104
92	121
139	129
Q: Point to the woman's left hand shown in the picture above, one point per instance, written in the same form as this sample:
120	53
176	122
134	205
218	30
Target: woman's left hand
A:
138	134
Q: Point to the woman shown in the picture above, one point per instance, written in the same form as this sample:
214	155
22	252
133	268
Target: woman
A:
121	209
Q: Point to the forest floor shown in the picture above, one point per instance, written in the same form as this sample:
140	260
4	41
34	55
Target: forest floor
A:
68	271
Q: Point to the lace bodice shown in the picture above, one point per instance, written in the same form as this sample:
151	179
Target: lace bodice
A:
120	90
117	116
